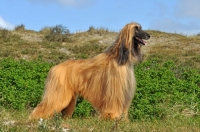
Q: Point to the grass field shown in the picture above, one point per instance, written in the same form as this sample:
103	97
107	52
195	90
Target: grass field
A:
12	121
30	45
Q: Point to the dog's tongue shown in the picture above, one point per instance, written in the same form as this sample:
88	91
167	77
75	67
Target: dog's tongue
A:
143	42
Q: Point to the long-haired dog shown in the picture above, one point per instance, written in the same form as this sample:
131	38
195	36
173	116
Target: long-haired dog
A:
107	80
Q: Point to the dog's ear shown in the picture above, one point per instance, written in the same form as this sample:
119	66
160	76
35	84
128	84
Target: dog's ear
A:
123	55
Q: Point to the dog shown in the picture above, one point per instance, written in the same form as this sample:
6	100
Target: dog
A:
107	80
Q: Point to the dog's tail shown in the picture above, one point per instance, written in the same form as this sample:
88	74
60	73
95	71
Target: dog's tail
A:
57	94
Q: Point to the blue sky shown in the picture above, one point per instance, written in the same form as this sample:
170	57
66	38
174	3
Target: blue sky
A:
179	16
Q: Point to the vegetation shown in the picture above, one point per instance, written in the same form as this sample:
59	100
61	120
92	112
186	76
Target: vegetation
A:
160	88
168	80
20	27
58	33
99	31
21	83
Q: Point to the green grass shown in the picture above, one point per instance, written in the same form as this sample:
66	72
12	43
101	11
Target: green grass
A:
17	121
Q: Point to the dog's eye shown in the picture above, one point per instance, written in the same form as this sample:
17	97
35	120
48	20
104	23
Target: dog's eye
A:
137	29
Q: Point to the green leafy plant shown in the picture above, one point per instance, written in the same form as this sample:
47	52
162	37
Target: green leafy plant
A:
83	109
21	82
163	89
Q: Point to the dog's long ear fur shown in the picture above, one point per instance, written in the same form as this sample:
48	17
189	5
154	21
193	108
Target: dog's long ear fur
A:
123	49
136	52
123	54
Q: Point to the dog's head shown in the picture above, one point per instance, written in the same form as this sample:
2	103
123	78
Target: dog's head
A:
138	40
139	35
128	44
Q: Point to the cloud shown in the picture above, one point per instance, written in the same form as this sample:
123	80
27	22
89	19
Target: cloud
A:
187	8
170	25
185	18
73	3
5	24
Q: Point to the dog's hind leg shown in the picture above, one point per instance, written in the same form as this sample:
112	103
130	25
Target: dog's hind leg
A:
53	103
69	110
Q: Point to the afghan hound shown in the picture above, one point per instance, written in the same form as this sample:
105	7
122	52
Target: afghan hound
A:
107	80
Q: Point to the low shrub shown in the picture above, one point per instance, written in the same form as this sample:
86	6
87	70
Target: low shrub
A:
58	33
162	89
21	82
20	27
83	109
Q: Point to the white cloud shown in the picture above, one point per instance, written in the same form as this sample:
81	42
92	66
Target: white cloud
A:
174	26
187	8
5	24
73	3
